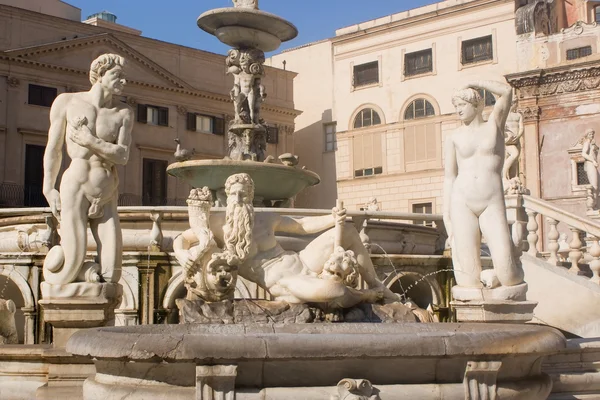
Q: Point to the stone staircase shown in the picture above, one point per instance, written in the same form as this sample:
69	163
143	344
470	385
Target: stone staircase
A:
562	277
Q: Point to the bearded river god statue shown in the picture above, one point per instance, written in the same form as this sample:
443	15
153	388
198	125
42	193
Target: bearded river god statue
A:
325	274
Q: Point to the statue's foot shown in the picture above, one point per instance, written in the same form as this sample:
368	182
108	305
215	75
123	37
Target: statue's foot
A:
489	279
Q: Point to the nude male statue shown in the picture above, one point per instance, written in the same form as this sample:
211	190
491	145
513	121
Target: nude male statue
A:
96	127
512	134
473	193
247	94
318	274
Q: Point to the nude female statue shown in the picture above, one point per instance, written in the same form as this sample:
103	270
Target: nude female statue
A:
96	127
473	193
589	152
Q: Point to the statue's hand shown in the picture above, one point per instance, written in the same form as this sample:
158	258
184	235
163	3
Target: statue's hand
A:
53	199
185	259
339	215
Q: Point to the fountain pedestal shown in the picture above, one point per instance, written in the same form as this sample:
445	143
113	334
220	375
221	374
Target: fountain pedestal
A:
69	308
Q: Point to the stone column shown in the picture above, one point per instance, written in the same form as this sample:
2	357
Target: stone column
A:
30	314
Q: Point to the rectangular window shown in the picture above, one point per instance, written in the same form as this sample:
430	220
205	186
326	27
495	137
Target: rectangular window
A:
579	52
582	177
366	74
419	62
272	134
205	124
367	154
476	50
154	186
34	175
41	95
423	208
330	139
153	115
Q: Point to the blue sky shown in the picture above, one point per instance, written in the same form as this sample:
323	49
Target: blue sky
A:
315	19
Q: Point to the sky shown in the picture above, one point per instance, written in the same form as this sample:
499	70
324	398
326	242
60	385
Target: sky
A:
315	19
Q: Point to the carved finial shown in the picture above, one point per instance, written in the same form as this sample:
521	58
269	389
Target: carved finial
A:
252	4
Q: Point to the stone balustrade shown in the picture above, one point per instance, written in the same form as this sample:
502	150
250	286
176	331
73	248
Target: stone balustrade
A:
563	239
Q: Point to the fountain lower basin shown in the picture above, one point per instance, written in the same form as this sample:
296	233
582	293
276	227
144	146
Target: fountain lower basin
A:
306	361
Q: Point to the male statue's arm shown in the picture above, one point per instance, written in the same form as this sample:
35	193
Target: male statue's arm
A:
53	153
450	173
305	225
503	93
115	153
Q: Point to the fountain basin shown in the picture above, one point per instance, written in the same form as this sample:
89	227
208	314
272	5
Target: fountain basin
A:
239	27
403	361
272	181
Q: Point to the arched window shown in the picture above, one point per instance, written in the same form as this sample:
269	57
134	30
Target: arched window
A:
488	98
420	108
366	117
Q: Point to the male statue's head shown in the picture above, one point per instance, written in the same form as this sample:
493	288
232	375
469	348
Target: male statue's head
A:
342	267
107	70
239	221
468	103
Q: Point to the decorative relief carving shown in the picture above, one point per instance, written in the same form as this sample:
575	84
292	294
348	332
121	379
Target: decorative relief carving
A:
355	389
480	379
530	113
568	81
578	28
13	81
181	110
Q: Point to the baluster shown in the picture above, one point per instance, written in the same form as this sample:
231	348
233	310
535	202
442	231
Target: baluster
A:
156	235
553	236
532	228
575	254
595	263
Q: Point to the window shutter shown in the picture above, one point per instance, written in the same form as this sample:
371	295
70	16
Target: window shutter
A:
358	152
191	122
219	126
163	116
142	113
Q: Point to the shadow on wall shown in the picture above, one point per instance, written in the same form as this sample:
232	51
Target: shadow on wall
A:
310	145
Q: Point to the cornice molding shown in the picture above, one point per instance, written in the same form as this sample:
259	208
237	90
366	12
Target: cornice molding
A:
565	80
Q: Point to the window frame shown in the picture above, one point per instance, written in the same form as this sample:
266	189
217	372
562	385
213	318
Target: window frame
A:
45	93
148	177
416	54
326	141
412	106
162	114
476	60
426	203
362	119
571	55
365	81
217	123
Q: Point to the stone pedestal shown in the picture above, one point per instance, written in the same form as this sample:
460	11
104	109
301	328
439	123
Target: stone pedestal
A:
505	304
71	307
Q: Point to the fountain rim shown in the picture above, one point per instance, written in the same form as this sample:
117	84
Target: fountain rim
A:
282	29
313	341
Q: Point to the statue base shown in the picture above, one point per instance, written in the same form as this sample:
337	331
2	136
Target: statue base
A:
507	304
74	306
264	311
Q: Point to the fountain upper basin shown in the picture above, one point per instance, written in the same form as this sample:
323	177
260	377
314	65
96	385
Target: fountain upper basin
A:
272	181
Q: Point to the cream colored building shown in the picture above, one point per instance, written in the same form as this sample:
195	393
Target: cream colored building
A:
389	99
175	91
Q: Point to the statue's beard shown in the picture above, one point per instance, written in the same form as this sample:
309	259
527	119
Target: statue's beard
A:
238	229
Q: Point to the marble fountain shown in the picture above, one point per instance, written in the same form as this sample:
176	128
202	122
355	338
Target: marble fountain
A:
328	327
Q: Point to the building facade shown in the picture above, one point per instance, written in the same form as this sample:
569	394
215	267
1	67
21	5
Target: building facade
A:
176	92
389	100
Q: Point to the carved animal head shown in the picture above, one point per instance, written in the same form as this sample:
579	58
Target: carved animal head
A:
342	266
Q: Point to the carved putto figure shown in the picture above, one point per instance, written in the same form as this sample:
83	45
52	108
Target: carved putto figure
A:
589	152
210	274
473	193
96	127
513	131
321	273
252	4
247	94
